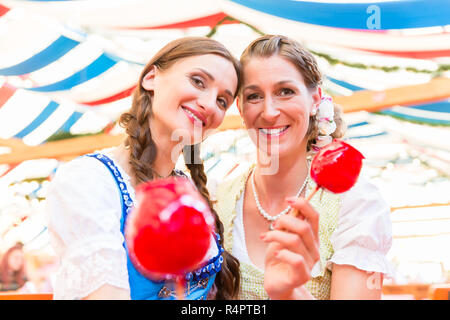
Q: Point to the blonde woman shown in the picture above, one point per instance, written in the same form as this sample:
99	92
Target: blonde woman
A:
336	248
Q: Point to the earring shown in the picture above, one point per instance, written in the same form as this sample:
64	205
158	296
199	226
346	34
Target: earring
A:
314	112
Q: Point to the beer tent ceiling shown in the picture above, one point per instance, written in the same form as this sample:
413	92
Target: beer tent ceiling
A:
69	67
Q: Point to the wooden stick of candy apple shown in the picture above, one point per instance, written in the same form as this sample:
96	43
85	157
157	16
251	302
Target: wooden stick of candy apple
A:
336	168
179	288
169	231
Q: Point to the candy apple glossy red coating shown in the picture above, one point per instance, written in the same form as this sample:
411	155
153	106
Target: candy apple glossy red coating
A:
168	233
336	167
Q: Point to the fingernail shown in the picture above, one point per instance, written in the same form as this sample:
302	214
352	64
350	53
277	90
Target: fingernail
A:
290	200
263	236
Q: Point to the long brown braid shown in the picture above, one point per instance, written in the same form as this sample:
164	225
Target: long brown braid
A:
139	137
229	290
143	149
270	45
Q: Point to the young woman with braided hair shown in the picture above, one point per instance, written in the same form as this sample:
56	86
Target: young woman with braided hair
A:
183	92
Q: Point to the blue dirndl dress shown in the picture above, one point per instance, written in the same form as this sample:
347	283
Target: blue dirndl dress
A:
198	283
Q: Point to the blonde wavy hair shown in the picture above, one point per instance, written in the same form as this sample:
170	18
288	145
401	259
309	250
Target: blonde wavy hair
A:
270	45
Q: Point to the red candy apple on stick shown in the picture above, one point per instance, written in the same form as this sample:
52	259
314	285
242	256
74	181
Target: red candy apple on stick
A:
168	233
335	167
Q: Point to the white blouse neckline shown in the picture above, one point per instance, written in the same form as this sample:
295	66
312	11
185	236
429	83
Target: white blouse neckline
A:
362	237
83	218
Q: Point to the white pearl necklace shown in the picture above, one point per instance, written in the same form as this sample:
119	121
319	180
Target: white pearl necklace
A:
263	212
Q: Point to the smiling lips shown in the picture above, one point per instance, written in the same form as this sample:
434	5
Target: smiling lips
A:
273	131
194	116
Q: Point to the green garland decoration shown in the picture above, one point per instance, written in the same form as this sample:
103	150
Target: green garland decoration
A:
334	61
399	117
30	196
39	180
229	18
63	135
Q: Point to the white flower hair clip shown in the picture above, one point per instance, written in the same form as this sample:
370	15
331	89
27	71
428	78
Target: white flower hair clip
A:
327	126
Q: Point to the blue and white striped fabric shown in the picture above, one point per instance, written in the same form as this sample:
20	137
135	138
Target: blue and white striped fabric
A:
51	58
94	69
436	113
50	54
393	14
34	117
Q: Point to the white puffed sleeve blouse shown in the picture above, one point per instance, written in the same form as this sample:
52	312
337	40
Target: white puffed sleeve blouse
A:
363	235
362	238
83	218
84	211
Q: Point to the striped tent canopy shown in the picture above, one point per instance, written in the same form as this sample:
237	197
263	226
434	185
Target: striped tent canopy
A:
70	67
407	28
63	64
68	70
